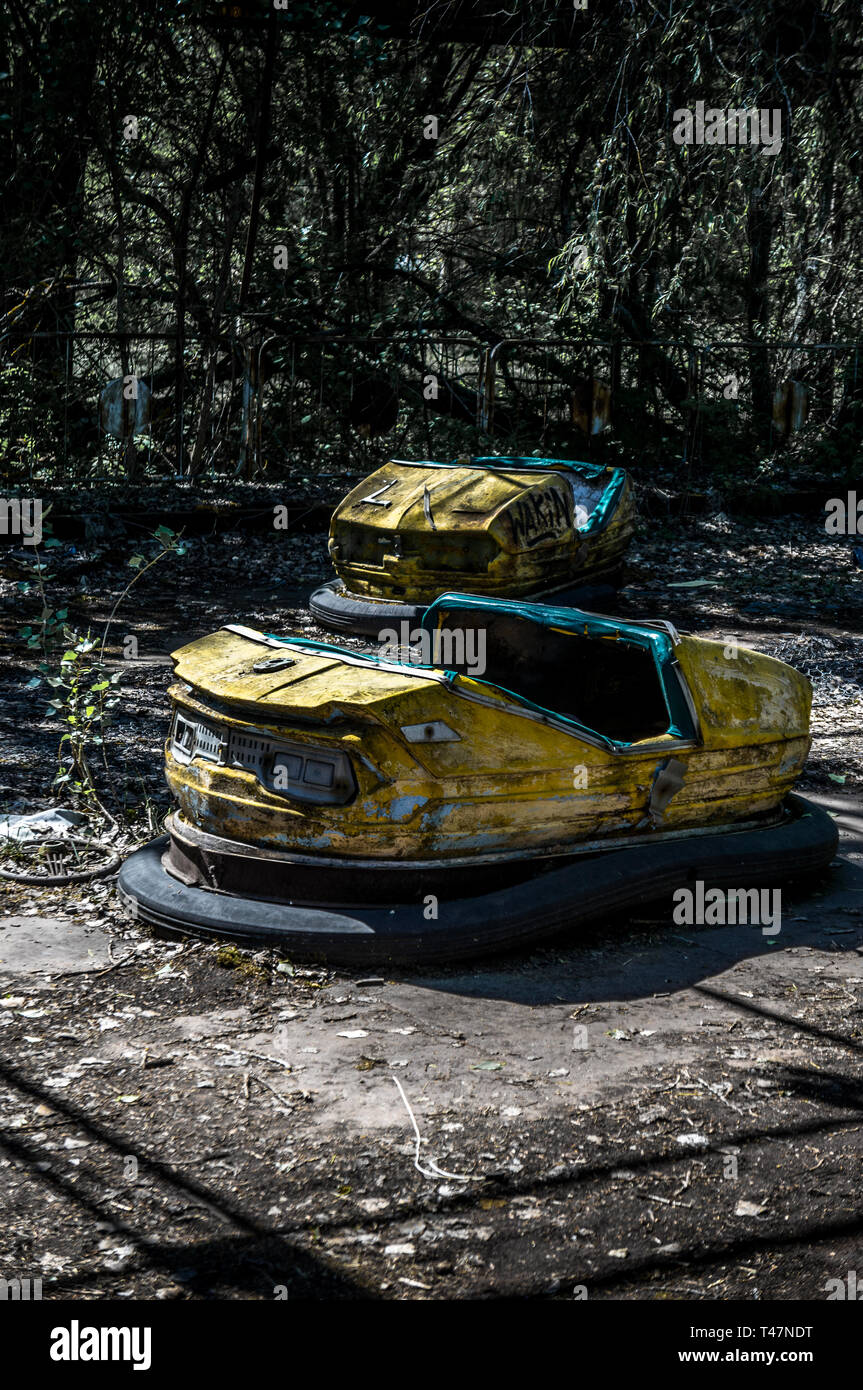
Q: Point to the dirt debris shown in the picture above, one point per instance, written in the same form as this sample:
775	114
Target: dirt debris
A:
186	1120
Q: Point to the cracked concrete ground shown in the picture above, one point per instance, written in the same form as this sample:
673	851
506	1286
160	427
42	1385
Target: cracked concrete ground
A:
648	1112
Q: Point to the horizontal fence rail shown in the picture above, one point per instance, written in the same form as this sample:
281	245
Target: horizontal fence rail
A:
261	403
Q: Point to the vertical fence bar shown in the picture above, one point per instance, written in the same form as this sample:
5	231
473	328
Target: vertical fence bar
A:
179	392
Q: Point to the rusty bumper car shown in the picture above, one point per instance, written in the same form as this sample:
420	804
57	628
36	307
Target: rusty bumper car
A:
499	526
519	770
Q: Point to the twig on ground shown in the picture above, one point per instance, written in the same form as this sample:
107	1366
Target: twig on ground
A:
433	1171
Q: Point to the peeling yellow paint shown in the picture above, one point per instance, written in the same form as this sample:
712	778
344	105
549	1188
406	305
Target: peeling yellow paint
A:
414	531
511	783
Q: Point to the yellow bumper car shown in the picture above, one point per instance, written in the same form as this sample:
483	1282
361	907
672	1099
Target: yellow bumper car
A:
513	769
498	526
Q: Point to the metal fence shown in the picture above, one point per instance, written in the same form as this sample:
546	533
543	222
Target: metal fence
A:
258	404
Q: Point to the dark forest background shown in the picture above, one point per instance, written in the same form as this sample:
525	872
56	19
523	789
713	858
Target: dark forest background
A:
306	282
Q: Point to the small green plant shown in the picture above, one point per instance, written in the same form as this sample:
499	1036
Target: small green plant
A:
84	690
84	704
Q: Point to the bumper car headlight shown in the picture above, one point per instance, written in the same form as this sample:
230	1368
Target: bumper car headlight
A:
294	770
310	774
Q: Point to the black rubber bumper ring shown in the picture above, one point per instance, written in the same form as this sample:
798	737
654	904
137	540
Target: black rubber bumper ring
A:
582	892
338	610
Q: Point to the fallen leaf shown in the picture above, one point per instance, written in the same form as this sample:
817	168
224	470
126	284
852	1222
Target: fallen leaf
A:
369	1063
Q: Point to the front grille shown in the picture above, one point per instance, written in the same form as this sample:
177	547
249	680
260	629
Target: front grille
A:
294	770
354	544
461	551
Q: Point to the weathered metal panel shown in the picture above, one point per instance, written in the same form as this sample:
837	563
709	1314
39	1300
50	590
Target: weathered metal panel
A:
511	782
121	413
413	530
591	406
790	406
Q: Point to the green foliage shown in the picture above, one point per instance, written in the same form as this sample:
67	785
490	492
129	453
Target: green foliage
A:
554	204
81	688
84	704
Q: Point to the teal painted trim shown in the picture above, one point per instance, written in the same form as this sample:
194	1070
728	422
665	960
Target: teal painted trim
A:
607	503
502	463
658	644
573	620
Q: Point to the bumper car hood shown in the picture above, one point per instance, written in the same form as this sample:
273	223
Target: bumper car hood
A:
248	670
